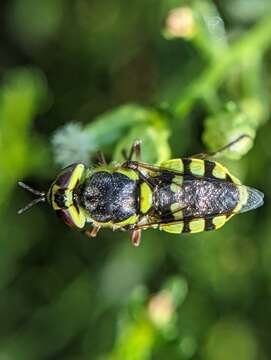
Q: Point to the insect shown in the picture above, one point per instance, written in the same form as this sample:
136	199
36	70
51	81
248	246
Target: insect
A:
185	195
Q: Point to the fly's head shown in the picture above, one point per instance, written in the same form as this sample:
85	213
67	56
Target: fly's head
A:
62	195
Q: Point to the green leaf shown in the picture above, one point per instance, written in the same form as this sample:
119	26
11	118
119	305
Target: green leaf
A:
123	125
22	95
226	127
154	144
110	126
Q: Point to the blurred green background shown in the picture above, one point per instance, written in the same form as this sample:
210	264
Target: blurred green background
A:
79	76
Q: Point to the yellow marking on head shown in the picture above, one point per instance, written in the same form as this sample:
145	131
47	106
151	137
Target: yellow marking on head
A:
76	176
173	228
197	167
173	164
68	194
145	198
176	183
69	198
52	192
219	171
131	174
77	217
197	225
219	221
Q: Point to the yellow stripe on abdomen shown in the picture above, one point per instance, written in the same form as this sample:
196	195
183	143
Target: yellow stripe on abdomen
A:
173	164
196	225
219	221
197	167
173	228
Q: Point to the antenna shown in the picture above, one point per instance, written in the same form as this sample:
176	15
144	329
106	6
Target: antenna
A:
41	197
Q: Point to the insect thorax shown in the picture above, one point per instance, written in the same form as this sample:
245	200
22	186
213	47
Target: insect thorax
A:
109	197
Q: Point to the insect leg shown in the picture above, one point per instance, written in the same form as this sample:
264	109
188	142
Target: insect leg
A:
135	236
224	148
93	232
135	150
101	158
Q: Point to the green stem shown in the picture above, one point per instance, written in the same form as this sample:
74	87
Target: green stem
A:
256	42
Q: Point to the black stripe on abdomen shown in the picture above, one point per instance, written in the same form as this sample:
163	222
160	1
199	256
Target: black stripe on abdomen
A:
209	224
209	167
186	228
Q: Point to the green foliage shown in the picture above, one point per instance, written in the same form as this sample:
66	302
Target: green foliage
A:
123	126
21	95
153	321
224	128
169	73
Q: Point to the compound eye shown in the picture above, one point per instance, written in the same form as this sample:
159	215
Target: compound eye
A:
70	176
72	216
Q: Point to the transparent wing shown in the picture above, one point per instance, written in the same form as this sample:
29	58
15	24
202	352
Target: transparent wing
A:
255	199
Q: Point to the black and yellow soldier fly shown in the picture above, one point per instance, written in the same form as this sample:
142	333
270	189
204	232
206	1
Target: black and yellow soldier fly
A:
185	195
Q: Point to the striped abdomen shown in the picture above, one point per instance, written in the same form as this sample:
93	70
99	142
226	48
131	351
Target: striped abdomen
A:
201	199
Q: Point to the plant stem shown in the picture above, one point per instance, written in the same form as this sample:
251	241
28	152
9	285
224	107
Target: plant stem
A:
254	43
